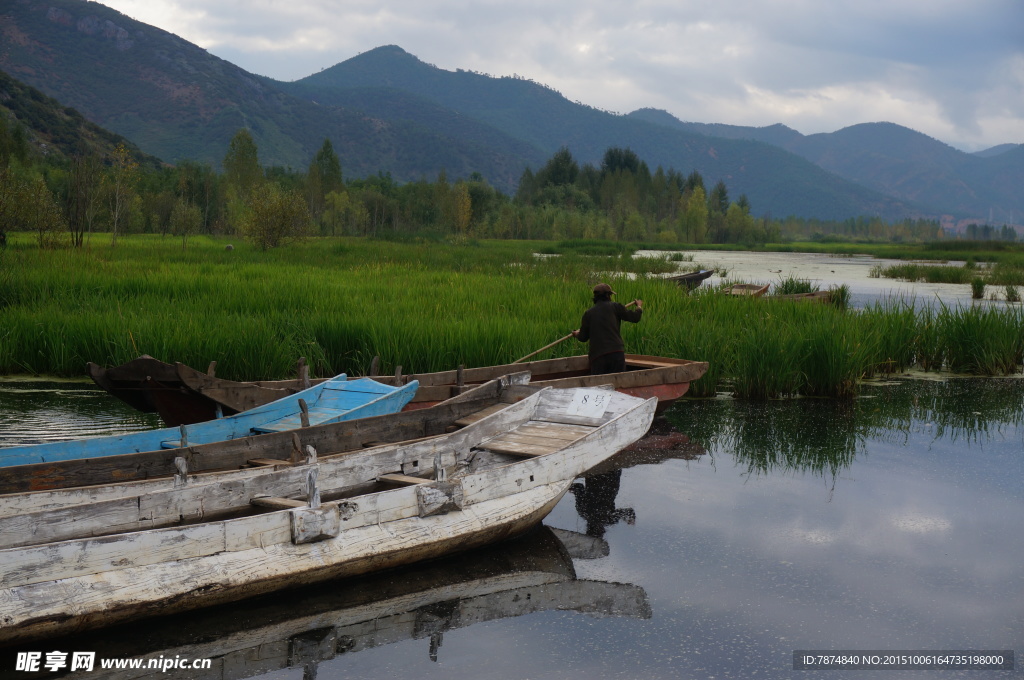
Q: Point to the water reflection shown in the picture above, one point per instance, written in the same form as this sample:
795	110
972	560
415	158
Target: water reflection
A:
890	522
595	502
36	411
824	437
302	629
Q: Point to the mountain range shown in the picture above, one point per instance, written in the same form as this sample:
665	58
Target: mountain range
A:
387	111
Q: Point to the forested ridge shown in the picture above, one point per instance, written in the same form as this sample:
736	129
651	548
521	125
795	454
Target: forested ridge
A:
64	186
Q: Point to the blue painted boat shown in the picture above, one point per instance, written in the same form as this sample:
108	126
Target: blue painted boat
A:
331	401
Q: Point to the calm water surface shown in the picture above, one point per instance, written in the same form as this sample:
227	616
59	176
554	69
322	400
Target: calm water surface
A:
825	270
891	522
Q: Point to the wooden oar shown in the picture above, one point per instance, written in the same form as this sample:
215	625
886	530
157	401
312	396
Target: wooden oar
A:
556	342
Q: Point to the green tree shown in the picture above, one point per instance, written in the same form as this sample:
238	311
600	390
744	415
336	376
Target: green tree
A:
329	167
13	142
561	169
242	169
186	218
739	225
336	208
120	181
82	201
44	215
718	199
695	216
462	208
617	159
276	217
323	177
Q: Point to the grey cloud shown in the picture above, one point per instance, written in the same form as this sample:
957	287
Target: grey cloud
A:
939	66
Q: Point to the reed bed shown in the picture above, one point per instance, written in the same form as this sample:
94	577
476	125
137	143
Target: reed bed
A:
430	307
929	273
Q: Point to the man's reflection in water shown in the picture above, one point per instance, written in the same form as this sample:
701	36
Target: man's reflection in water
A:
595	501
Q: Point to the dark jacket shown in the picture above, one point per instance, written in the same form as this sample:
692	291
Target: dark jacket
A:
600	327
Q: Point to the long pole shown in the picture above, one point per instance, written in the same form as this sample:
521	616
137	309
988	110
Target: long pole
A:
560	340
543	348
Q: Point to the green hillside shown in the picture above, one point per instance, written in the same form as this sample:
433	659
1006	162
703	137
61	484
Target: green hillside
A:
51	129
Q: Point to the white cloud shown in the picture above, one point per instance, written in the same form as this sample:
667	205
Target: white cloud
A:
950	69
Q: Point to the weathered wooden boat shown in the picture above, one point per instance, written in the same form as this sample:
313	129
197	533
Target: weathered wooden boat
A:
134	382
751	289
821	296
666	378
25	488
303	627
329	401
226	536
153	386
692	280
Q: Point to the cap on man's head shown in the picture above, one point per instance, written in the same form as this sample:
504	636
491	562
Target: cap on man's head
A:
604	288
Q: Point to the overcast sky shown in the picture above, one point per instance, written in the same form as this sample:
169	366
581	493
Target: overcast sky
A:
952	69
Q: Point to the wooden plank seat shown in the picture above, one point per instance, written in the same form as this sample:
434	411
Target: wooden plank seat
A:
535	439
473	417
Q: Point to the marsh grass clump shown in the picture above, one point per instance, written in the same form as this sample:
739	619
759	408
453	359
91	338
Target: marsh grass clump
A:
929	273
839	296
889	329
982	340
792	285
978	288
1012	295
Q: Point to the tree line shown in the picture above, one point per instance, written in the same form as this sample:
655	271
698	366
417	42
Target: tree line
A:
66	199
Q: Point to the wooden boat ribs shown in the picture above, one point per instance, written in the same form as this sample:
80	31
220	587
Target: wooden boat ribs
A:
221	537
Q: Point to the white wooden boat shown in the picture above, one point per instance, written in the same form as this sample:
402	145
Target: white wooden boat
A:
221	537
423	602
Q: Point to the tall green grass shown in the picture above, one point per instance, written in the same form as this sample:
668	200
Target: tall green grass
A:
432	306
929	273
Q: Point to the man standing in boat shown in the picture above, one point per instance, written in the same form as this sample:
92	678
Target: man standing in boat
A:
600	327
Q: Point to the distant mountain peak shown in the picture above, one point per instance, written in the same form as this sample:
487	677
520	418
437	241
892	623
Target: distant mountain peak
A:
374	68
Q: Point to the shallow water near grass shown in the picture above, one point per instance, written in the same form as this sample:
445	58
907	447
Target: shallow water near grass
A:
825	270
889	522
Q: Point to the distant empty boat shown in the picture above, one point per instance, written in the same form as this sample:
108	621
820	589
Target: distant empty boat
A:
692	279
751	289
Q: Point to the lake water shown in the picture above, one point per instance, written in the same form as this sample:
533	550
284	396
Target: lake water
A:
891	522
824	270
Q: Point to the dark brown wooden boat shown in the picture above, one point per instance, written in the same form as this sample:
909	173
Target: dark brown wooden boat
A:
692	280
153	386
645	376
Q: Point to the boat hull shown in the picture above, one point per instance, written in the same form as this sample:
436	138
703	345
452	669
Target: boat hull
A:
509	468
41	610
